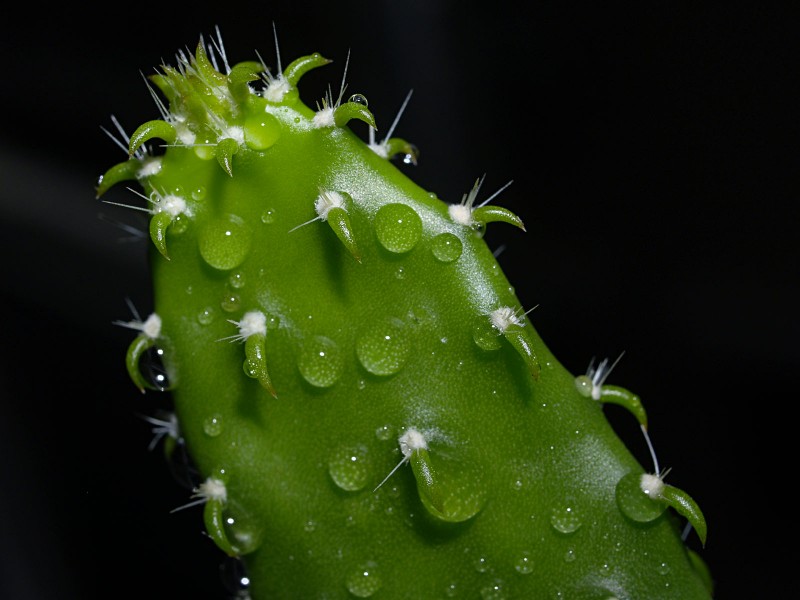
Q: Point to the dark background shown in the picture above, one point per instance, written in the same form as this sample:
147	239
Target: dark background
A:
654	151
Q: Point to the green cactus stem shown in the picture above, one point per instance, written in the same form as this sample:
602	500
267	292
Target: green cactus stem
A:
370	407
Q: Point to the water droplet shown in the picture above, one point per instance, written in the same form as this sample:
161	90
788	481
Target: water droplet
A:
199	193
348	468
565	519
384	432
398	227
261	131
663	568
493	591
569	555
236	280
213	425
230	303
250	369
400	273
206	316
268	216
446	247
524	565
451	591
384	347
320	361
234	576
359	99
310	526
242	532
485	335
634	503
481	565
584	385
179	225
361	384
225	243
364	581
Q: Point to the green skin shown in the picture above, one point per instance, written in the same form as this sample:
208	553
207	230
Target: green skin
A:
373	326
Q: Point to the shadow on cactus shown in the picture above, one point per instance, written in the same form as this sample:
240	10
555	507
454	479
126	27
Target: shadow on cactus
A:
369	407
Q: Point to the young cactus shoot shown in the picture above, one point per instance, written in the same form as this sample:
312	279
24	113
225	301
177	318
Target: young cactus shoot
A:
369	407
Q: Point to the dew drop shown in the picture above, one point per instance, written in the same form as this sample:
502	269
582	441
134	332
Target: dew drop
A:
493	591
225	242
481	565
485	335
206	316
198	193
212	426
384	432
268	216
398	227
451	591
446	247
569	555
663	568
383	348
400	273
320	362
230	303
634	503
242	532
310	526
261	131
348	468
236	280
565	520
524	565
359	99
364	582
179	225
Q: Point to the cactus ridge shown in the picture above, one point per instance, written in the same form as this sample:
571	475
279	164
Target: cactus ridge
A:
369	406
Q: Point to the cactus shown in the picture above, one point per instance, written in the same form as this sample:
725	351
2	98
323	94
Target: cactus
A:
366	407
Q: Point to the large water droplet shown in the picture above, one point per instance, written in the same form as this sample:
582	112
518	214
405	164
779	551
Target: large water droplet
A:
348	468
383	348
446	247
242	531
634	503
225	243
261	131
398	227
230	302
320	361
364	581
485	334
212	426
565	519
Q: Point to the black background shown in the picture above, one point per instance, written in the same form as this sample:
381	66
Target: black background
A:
654	151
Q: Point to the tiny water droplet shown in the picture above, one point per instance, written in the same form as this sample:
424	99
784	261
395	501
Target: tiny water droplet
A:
206	316
268	216
250	369
398	227
179	225
225	242
348	468
361	384
310	526
565	519
236	280
383	348
493	591
212	426
481	565
320	361
485	335
400	273
261	131
524	565
446	247
663	568
365	581
569	555
199	192
451	591
230	303
384	432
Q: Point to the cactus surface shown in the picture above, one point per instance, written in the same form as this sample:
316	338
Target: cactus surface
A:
368	409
